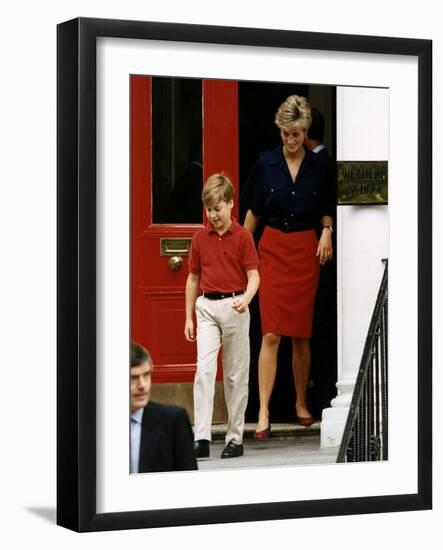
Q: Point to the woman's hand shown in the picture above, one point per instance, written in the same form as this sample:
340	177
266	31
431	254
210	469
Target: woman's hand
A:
324	249
251	221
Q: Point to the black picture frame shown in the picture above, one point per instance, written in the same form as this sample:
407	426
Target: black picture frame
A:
76	265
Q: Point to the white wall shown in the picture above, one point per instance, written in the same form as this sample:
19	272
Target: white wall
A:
362	242
27	274
362	134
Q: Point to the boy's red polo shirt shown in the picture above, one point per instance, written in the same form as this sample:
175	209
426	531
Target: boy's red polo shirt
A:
222	261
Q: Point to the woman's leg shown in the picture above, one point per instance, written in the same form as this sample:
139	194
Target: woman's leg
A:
267	368
301	362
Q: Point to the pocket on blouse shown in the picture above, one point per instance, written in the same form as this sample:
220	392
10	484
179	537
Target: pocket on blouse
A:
274	186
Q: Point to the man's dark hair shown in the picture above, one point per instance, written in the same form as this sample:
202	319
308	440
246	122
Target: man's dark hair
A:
317	128
139	355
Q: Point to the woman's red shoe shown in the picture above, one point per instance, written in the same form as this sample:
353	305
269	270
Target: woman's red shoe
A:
305	420
263	434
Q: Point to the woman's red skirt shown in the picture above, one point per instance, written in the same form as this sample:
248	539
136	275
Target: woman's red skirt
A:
289	273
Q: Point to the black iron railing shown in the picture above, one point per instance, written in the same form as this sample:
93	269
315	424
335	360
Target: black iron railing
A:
365	436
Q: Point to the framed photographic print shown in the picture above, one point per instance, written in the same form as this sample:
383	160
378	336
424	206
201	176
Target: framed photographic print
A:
146	113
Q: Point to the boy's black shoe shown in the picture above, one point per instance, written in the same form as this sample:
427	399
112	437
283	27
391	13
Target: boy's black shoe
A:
201	448
232	450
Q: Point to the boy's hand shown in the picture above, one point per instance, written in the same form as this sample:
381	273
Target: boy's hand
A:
240	304
189	330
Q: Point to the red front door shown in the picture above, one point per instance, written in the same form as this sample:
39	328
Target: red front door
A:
182	131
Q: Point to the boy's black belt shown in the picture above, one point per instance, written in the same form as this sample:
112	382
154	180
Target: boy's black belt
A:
222	295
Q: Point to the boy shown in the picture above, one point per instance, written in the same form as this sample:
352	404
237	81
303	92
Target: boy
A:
223	264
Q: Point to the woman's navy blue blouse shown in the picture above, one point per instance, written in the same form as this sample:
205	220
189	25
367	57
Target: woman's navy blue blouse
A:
283	204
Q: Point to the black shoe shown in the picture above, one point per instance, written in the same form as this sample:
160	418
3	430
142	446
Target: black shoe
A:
232	450
201	448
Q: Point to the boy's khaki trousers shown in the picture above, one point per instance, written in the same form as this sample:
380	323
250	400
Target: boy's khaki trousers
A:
218	324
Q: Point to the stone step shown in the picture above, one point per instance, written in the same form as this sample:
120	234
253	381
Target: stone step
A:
279	431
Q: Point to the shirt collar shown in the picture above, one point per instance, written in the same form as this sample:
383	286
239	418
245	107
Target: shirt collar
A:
276	156
137	415
232	229
318	148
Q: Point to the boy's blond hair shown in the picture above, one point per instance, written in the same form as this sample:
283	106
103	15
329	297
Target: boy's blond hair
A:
217	187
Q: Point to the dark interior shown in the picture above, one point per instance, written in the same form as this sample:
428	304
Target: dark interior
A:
258	103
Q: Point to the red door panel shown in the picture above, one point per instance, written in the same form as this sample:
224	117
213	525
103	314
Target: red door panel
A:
157	292
220	130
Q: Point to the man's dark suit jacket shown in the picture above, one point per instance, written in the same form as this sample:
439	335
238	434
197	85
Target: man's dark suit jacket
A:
166	442
331	175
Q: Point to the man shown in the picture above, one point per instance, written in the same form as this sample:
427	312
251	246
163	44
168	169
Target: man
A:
323	340
315	134
161	435
314	142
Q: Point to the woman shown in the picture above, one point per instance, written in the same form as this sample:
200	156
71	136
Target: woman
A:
287	190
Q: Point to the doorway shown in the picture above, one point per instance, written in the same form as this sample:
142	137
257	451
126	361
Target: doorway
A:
257	104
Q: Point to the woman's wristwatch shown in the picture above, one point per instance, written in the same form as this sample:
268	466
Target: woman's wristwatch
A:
328	227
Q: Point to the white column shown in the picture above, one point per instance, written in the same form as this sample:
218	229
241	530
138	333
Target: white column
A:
362	242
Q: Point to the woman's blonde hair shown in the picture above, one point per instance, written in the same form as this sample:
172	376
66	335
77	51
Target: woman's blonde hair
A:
294	111
217	187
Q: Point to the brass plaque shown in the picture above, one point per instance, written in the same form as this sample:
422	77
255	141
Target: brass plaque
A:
363	182
175	246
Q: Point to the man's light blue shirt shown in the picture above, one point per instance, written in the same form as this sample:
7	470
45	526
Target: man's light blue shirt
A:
318	148
136	432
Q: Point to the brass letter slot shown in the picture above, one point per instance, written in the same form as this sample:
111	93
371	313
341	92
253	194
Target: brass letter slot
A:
175	246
